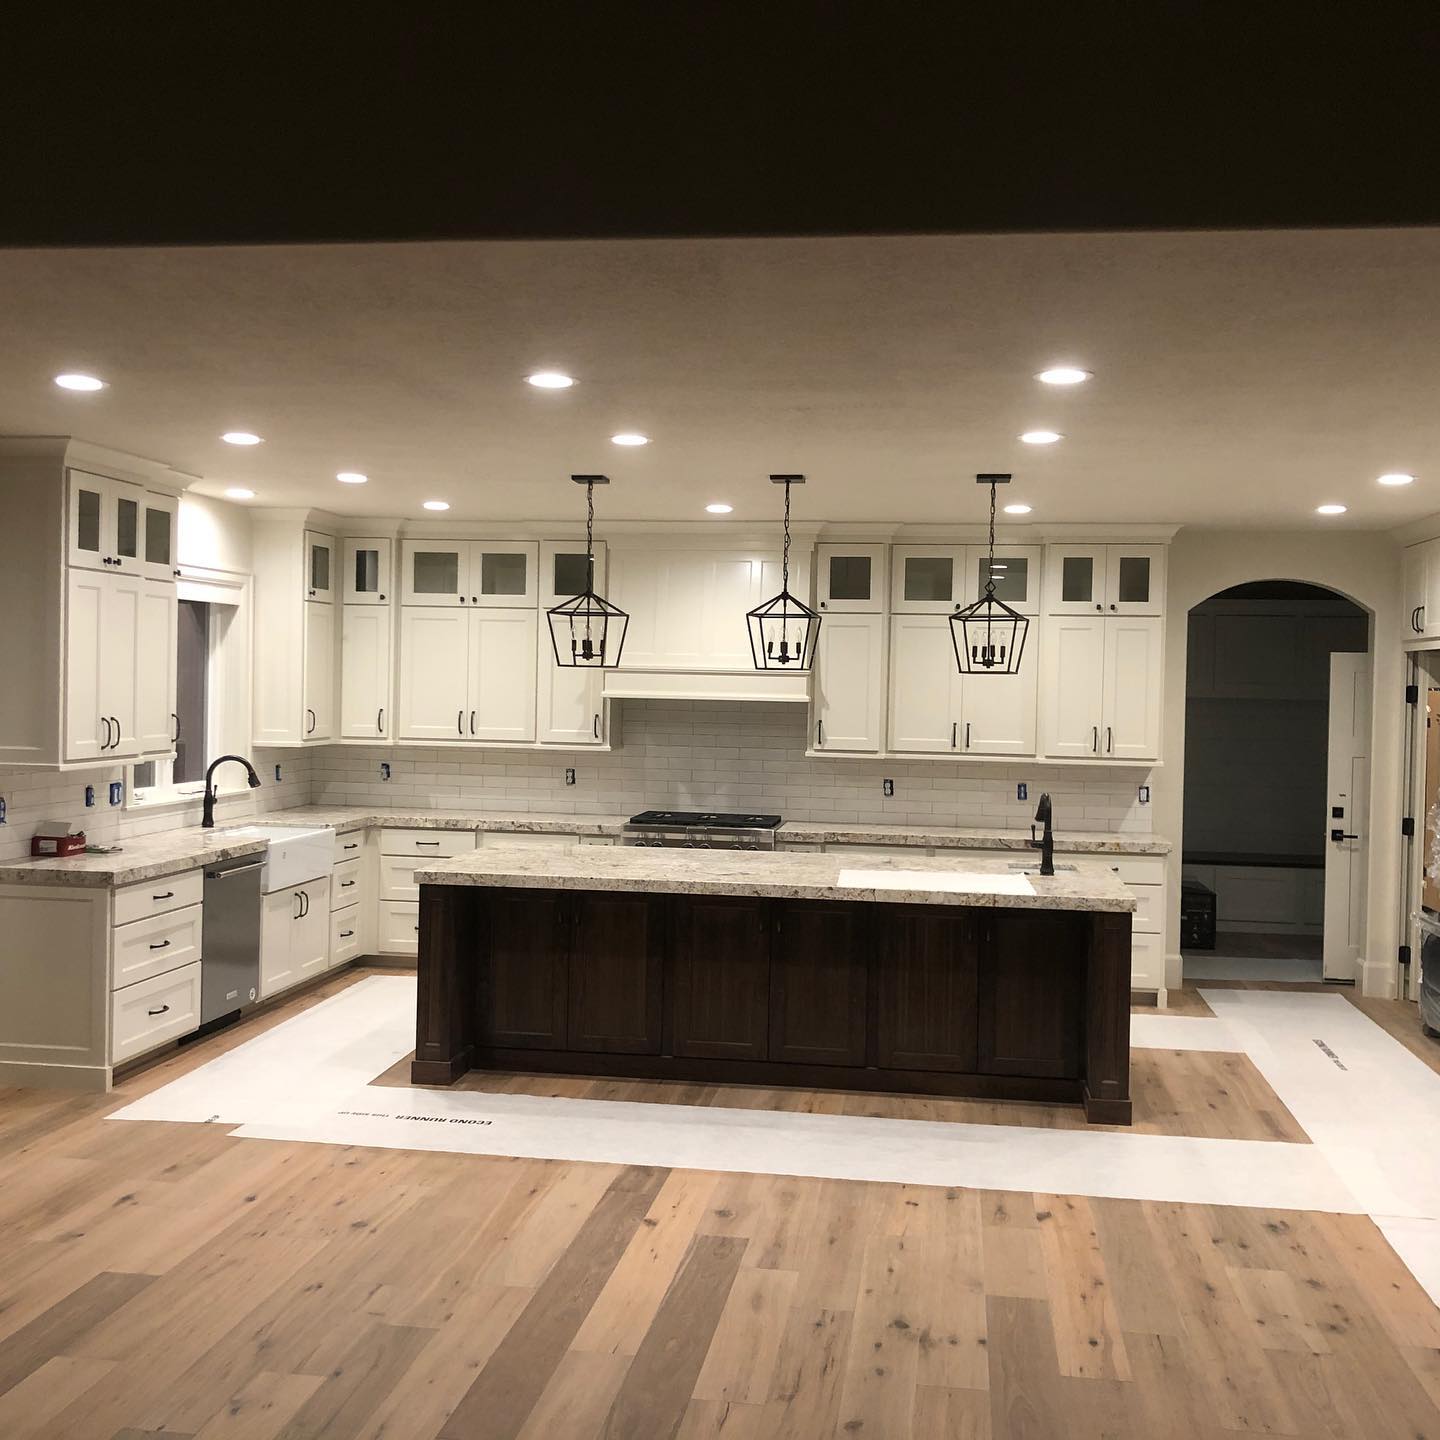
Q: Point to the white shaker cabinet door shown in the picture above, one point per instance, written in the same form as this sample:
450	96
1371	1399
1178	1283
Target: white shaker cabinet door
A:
365	672
1074	665
87	735
434	665
279	914
502	675
155	668
119	638
924	685
319	720
571	711
310	931
849	683
998	712
1133	682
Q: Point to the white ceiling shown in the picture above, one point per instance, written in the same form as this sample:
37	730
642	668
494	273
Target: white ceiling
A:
1240	378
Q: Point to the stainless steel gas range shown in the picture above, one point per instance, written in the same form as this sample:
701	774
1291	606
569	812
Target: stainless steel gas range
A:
702	830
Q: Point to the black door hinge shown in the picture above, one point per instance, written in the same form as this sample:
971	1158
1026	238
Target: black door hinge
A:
1407	826
1405	955
1412	694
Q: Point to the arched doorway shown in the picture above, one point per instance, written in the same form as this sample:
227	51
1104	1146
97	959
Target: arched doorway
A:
1272	749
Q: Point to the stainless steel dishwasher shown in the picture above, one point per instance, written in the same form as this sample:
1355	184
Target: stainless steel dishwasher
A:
230	937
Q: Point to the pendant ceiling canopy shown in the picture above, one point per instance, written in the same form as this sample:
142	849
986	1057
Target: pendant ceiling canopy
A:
587	631
784	630
989	636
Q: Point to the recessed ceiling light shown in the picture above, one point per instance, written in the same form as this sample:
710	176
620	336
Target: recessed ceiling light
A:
1041	437
1329	509
1397	477
1017	509
629	437
550	380
237	492
351	477
437	504
79	382
1063	375
719	508
240	437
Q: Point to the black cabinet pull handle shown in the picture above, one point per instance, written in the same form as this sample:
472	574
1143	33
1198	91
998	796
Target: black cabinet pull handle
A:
1095	739
596	727
459	722
116	724
954	733
163	945
298	911
353	845
380	721
313	721
472	722
427	842
346	884
346	934
168	895
175	738
1109	740
967	734
819	734
162	1009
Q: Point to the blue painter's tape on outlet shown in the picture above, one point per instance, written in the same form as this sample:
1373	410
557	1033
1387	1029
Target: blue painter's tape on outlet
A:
117	790
89	796
1022	791
2	809
384	769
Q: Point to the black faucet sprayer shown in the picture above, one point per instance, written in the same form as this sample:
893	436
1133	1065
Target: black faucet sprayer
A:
207	820
1046	844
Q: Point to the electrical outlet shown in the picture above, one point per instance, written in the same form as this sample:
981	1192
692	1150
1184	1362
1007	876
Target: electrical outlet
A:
277	774
117	792
1144	794
887	787
89	796
384	769
569	775
1022	791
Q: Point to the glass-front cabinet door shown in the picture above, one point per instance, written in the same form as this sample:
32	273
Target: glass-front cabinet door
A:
850	578
319	567
158	535
1075	579
1135	580
366	572
928	580
1015	570
127	502
563	571
435	572
504	575
105	523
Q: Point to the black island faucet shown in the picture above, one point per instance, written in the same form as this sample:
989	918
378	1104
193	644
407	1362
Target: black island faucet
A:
1046	844
207	820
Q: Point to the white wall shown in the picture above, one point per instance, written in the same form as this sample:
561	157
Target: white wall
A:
1366	569
214	535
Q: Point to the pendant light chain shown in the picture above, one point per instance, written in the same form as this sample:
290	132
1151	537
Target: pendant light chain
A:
785	553
990	567
590	535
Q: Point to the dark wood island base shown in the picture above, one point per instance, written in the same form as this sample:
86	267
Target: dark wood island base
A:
998	1003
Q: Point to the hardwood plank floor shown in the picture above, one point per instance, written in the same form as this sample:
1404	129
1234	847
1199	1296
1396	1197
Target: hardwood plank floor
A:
161	1279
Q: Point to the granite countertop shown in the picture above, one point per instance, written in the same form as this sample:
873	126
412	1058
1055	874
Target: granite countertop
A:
791	875
1084	842
144	857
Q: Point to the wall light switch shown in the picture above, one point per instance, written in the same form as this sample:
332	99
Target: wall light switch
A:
1022	791
1144	794
887	787
384	769
569	776
117	791
89	796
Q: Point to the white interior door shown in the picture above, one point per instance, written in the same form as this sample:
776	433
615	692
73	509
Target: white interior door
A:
1348	788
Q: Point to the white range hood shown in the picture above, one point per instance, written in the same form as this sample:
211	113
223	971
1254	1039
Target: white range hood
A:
665	684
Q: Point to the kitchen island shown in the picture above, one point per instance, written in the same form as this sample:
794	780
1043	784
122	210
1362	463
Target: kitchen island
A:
931	976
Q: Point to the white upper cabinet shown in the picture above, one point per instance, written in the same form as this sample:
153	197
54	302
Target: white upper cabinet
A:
502	674
366	571
563	571
998	712
928	579
1133	684
87	730
319	686
849	684
467	675
470	572
1015	570
850	578
1103	678
157	535
1413	566
105	522
1074	689
365	672
1105	580
155	644
570	710
434	672
319	567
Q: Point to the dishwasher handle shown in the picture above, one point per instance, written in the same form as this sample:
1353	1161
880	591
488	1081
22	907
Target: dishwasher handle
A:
234	871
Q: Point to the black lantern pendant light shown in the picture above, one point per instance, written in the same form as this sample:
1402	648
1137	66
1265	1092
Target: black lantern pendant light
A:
587	630
989	636
783	631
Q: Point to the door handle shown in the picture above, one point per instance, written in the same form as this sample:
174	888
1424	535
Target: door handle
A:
596	727
105	743
311	729
163	945
116	724
1339	835
158	1011
380	721
819	733
1109	740
353	845
967	734
427	842
954	733
299	913
175	738
168	895
472	722
1095	739
346	934
346	884
459	722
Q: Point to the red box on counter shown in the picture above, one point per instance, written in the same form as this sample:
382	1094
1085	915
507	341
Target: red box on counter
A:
51	845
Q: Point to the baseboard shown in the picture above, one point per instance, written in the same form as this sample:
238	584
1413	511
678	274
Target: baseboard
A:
87	1079
1377	979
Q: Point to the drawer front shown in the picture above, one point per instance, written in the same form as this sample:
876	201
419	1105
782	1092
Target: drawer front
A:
155	946
426	842
349	846
155	897
344	935
1149	918
345	884
1138	869
397	878
153	1011
525	839
1147	962
399	928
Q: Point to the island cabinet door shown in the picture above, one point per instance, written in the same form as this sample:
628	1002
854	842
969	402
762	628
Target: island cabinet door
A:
1031	982
526	947
717	986
818	982
616	960
925	989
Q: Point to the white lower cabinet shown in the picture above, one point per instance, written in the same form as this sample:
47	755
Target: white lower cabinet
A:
1103	679
153	1011
399	929
344	935
294	935
151	947
365	672
849	684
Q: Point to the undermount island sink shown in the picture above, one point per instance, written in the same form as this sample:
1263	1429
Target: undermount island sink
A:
292	855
